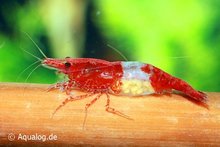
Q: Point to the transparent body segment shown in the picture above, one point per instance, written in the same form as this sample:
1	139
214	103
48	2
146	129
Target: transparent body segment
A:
135	82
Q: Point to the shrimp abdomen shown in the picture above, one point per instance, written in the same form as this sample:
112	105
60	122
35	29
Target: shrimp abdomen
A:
164	82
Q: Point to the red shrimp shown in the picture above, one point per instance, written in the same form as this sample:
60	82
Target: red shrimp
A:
96	76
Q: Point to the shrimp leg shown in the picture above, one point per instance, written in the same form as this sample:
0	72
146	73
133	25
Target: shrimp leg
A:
113	111
88	105
70	99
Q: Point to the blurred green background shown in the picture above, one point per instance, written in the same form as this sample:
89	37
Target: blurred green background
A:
180	37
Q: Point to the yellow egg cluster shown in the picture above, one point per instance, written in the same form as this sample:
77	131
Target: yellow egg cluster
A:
135	87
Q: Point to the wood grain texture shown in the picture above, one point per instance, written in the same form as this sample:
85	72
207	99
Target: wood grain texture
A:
165	120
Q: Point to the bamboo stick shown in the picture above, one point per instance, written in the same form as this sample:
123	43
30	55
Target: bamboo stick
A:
165	120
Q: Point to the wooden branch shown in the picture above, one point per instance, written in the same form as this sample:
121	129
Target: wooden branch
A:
168	120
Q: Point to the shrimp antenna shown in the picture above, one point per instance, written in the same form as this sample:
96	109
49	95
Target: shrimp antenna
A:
35	44
180	57
32	72
117	52
27	69
31	54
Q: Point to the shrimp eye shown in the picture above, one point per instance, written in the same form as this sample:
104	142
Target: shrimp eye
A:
67	64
